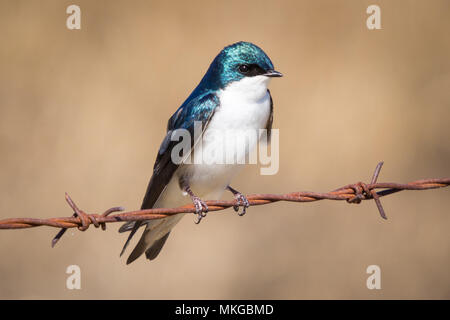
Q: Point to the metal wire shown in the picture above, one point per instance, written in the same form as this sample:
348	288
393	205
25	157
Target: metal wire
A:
352	193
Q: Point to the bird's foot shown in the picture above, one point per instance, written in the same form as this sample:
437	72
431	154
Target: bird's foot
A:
241	200
201	208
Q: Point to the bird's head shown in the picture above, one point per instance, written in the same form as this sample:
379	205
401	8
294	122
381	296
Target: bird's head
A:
240	61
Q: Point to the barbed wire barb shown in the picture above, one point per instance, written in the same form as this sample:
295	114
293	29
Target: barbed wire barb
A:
352	193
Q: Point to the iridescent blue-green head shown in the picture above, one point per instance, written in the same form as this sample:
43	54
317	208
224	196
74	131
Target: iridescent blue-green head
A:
236	62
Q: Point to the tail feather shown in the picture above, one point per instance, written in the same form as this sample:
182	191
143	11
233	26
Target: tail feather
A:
153	238
141	246
135	227
155	249
127	226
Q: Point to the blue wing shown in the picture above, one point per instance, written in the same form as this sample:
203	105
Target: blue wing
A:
199	108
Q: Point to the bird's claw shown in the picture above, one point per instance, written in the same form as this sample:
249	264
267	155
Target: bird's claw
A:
201	208
241	201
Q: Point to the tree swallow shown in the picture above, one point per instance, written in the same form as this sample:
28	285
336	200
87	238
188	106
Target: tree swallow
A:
232	96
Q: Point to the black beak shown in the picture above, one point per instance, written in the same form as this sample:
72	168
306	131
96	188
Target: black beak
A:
273	73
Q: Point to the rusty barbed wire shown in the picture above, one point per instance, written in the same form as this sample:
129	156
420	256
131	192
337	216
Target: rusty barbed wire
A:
352	193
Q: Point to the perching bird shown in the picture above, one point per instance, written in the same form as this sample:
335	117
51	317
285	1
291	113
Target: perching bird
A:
231	97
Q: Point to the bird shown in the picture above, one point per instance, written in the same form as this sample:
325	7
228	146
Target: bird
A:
233	95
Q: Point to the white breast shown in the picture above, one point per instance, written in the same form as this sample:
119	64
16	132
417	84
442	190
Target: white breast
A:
243	105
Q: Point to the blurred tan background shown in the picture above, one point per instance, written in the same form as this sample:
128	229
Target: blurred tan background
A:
84	111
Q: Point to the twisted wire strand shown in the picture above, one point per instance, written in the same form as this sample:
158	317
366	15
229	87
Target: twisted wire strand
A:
352	193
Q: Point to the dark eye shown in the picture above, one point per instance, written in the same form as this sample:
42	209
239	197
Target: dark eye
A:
243	68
